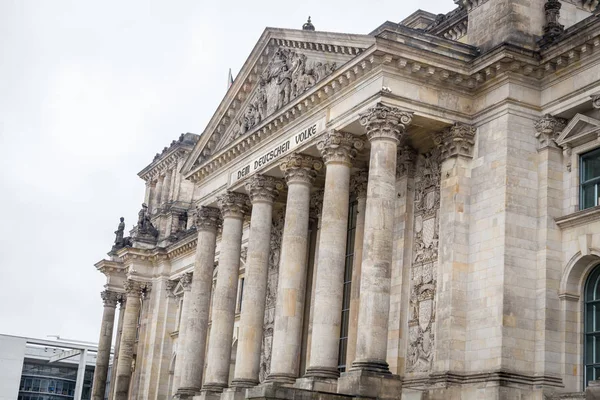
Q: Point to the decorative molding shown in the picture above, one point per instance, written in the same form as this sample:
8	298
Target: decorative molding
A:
498	378
359	183
339	147
548	129
316	204
385	122
234	205
300	168
596	100
578	218
263	188
136	288
208	218
405	165
458	140
186	281
109	298
469	4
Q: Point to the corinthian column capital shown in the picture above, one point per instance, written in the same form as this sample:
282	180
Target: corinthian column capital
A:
339	147
547	130
263	188
458	140
109	298
233	204
136	288
300	168
358	184
385	122
208	218
186	281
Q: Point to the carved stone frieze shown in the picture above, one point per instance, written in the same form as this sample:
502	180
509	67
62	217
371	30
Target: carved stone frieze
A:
458	140
405	166
358	184
548	128
384	121
109	298
424	265
339	147
234	205
263	188
300	168
271	298
208	218
287	76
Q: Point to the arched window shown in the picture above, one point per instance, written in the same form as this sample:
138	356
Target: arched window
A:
591	358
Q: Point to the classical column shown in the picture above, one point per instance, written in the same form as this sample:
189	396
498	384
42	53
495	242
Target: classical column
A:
166	191
234	206
385	126
109	298
122	300
134	292
300	172
157	194
358	185
338	149
208	220
263	191
186	305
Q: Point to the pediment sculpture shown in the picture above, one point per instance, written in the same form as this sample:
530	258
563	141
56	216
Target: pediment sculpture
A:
286	77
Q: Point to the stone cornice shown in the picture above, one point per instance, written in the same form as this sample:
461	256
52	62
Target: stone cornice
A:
108	267
169	157
579	218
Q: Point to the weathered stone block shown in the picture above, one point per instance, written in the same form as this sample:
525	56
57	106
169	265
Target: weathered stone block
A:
369	384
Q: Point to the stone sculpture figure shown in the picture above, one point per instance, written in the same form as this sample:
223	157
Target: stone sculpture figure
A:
144	225
119	233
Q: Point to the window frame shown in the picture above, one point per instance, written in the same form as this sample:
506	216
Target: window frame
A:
593	181
592	278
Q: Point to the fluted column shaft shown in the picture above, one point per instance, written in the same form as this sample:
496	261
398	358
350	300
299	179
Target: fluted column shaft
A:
300	172
104	343
385	126
359	187
338	149
130	323
208	220
263	190
186	305
233	208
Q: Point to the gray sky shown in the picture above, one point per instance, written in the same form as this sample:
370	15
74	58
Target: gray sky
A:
89	92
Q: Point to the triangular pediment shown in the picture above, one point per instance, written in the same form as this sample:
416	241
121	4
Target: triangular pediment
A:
284	65
579	130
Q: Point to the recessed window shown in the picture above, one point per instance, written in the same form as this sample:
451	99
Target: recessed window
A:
592	327
590	179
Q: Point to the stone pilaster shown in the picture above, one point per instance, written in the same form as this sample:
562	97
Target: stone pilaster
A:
385	126
186	304
263	191
338	150
134	292
157	195
358	186
166	188
457	144
208	220
109	298
234	206
300	172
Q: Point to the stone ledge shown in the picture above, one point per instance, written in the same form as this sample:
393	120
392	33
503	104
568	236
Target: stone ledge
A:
499	378
274	391
364	383
579	218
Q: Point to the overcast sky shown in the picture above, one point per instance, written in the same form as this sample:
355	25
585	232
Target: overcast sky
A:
89	92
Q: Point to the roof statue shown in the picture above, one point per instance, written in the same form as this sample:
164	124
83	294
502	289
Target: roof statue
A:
308	26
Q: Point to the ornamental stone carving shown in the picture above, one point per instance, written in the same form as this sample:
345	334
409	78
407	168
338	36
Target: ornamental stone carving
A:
458	140
548	128
358	184
300	168
208	218
109	298
144	225
316	204
136	288
405	166
170	287
553	28
264	188
233	204
421	325
385	122
596	101
339	147
287	76
186	281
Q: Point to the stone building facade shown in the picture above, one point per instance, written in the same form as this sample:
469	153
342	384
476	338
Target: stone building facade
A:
412	213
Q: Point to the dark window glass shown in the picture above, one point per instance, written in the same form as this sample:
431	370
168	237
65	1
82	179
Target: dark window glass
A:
592	327
590	179
241	295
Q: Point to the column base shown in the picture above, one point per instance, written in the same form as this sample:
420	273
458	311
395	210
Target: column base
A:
234	393
318	384
186	393
283	379
376	365
244	383
213	387
366	383
206	394
276	391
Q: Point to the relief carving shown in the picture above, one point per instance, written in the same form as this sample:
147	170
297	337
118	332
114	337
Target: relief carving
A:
286	77
269	320
424	266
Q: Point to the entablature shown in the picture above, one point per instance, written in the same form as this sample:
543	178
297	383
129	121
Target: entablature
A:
170	156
